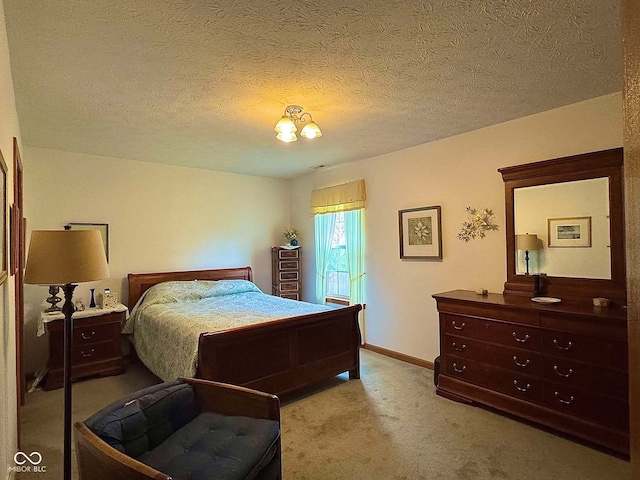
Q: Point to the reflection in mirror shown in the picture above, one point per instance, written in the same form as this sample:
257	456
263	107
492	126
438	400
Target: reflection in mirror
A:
571	223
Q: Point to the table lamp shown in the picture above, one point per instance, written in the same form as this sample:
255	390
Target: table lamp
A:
527	242
66	258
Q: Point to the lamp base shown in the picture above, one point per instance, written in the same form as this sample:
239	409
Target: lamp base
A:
67	310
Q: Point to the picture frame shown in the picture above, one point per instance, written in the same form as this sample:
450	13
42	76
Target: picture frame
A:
15	221
420	233
103	228
570	232
4	273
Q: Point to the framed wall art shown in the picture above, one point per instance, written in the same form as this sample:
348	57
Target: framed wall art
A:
103	228
3	232
420	233
569	232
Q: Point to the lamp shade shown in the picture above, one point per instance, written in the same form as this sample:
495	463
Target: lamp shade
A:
528	241
285	125
59	257
311	130
287	137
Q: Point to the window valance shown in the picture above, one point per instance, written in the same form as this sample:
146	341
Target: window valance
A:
339	198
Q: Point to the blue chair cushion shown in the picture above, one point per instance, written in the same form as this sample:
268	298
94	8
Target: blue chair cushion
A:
140	423
216	447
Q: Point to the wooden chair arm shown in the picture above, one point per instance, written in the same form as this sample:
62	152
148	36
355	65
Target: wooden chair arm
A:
99	461
228	399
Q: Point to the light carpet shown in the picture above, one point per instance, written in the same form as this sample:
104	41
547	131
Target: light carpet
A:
388	425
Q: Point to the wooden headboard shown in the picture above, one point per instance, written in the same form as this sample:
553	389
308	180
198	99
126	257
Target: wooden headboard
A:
141	282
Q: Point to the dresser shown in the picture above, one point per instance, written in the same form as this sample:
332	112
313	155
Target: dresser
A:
97	346
285	272
561	365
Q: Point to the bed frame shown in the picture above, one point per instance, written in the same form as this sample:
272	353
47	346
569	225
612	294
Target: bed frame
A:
279	356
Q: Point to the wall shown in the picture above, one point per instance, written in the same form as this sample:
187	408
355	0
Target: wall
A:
8	129
455	173
161	218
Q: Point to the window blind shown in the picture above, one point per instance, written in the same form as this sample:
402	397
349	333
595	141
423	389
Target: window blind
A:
339	198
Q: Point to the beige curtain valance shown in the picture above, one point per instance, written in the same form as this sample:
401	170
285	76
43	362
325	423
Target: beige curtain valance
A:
339	198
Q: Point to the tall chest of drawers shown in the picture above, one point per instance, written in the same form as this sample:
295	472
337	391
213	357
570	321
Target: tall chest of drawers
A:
285	272
562	365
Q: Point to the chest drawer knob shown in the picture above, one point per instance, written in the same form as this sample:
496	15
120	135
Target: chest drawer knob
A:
562	400
521	389
565	375
526	362
560	347
458	348
459	370
456	326
521	340
87	337
87	355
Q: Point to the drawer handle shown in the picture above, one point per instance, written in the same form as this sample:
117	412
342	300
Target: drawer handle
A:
522	389
87	337
87	355
565	375
565	402
521	340
515	360
458	348
560	347
453	322
459	370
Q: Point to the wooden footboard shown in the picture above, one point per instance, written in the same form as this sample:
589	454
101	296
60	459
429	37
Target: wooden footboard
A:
284	355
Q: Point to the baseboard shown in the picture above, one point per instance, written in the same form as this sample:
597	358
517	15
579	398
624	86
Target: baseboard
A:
399	356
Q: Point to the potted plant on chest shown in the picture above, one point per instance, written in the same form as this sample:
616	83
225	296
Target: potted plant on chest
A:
291	234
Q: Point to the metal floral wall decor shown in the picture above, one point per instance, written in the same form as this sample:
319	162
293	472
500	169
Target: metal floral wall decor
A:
479	222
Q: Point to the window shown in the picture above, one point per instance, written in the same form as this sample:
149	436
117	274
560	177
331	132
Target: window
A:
338	282
340	257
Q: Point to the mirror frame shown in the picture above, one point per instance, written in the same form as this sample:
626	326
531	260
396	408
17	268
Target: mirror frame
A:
605	163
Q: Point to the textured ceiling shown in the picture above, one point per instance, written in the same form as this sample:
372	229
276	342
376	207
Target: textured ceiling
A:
201	83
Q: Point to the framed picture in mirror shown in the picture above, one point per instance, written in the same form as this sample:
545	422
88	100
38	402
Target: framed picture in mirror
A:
569	232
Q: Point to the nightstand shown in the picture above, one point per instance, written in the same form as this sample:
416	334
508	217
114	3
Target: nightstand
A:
97	347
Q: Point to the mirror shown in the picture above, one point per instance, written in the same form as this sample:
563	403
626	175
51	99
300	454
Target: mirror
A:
575	207
570	221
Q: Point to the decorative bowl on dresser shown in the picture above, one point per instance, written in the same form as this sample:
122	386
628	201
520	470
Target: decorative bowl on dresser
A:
97	349
285	272
563	362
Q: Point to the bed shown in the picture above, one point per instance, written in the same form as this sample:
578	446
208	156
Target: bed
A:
277	356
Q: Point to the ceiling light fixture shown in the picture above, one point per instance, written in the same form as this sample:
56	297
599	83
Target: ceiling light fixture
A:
286	127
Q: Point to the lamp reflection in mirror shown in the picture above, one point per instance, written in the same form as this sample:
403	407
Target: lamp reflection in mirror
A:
286	127
527	242
66	258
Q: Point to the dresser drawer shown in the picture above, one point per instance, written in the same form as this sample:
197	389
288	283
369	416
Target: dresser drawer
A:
597	351
85	334
290	295
603	381
607	411
94	352
509	358
288	265
289	286
510	334
288	253
494	378
288	276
